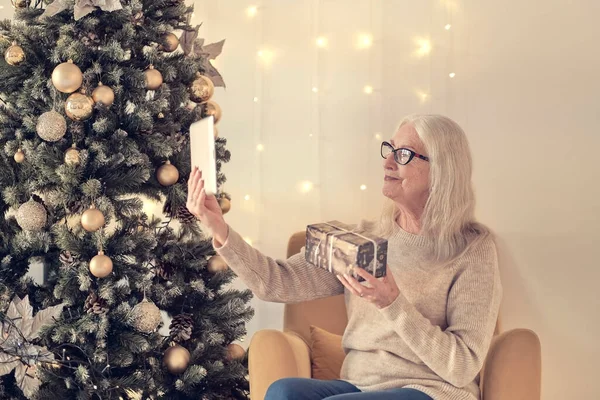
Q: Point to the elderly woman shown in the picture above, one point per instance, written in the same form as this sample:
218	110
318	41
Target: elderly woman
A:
421	332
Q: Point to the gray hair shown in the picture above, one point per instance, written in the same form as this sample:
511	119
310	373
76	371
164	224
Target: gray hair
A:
448	218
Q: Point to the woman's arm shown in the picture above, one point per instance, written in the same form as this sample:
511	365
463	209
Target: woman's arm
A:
282	281
457	353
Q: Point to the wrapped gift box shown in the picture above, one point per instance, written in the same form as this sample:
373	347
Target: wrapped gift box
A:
339	248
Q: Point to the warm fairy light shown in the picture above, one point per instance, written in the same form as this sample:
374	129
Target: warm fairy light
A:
265	55
310	135
368	89
365	41
452	75
423	47
321	41
315	89
378	136
306	186
422	96
260	147
363	187
447	27
251	11
256	99
247	197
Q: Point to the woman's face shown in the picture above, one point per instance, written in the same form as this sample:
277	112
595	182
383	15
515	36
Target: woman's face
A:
407	185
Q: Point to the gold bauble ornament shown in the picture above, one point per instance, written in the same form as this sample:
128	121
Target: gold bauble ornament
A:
79	106
92	219
145	316
19	156
153	78
167	174
101	265
103	95
20	4
32	216
67	77
225	204
169	42
201	89
213	109
176	359
235	352
216	264
14	55
51	126
72	156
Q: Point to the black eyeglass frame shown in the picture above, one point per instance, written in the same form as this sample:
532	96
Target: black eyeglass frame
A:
395	152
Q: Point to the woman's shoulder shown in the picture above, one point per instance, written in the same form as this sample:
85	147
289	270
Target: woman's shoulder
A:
481	248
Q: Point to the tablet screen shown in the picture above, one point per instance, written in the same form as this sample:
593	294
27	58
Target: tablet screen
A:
203	153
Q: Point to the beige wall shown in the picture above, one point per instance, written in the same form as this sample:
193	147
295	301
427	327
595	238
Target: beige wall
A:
526	91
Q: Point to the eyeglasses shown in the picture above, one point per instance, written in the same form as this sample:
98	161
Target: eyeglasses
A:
402	156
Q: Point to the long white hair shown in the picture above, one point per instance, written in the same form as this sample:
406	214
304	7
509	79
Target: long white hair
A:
448	218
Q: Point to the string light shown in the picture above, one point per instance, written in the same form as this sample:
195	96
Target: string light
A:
256	99
260	147
306	186
251	11
423	47
452	75
365	41
363	187
247	197
266	55
422	96
315	89
321	42
368	89
447	27
378	136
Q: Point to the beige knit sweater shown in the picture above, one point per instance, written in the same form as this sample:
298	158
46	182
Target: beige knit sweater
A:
434	337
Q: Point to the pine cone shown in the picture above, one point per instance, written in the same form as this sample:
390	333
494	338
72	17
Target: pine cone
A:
95	304
181	327
165	271
184	215
66	258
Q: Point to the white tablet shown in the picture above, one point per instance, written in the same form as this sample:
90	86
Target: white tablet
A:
203	153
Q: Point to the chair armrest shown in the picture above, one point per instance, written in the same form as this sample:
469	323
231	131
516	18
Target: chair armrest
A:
273	355
513	367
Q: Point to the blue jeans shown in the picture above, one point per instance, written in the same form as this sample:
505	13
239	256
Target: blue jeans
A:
314	389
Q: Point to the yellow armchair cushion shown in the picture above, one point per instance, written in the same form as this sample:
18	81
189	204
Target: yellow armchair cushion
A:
326	354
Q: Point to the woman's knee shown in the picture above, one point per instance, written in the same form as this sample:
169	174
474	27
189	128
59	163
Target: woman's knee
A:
285	389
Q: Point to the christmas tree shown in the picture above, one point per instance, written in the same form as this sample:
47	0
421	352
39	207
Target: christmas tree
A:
96	102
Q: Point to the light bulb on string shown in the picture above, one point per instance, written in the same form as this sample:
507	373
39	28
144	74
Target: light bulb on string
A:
363	187
260	147
252	11
247	197
256	99
365	41
321	42
423	47
315	89
378	136
447	27
368	89
451	74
